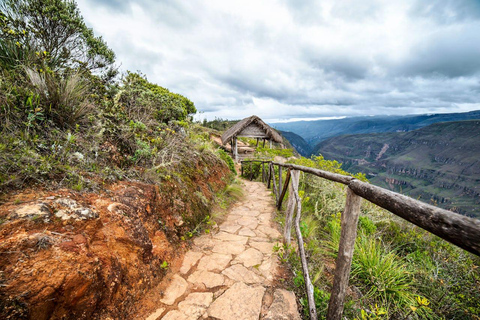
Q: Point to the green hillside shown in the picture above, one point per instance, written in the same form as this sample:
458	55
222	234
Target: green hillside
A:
439	163
314	132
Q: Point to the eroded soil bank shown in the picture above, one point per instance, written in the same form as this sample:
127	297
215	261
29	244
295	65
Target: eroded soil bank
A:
79	255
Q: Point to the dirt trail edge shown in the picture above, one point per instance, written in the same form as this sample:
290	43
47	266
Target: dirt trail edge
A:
231	275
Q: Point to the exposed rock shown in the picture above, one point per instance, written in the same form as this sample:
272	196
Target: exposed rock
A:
156	314
209	279
264	247
190	259
214	262
268	268
250	212
37	210
233	217
270	232
246	232
195	305
265	218
238	302
175	289
238	272
249	222
204	243
72	210
97	268
67	202
225	236
175	315
229	227
228	248
249	258
284	306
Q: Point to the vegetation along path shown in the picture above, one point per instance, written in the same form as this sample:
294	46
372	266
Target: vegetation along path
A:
232	273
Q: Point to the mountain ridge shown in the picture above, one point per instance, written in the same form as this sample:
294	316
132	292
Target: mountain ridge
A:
314	132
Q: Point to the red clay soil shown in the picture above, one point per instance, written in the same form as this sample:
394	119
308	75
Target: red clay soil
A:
72	255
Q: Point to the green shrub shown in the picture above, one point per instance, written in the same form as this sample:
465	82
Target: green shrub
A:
144	101
267	153
367	225
228	160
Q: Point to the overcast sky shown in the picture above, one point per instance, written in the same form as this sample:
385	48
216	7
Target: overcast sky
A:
284	59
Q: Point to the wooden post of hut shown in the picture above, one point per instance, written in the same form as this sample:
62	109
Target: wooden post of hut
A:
251	127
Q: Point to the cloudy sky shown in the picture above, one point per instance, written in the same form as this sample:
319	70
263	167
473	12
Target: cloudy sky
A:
287	59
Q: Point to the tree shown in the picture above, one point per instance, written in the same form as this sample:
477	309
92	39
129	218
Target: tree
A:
142	100
56	29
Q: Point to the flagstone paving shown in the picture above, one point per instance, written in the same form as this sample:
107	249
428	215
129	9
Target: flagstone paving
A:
230	275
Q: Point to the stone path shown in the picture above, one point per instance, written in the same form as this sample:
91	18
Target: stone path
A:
230	275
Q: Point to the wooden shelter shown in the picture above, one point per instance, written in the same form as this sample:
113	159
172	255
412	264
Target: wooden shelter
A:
251	127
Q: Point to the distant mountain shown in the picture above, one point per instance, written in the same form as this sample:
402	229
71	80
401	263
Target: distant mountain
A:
314	132
297	142
439	163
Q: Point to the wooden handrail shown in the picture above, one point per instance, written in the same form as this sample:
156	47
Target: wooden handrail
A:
462	231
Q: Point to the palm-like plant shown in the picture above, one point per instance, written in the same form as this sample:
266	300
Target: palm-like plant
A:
64	95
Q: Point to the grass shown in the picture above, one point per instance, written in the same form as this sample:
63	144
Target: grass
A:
381	274
398	271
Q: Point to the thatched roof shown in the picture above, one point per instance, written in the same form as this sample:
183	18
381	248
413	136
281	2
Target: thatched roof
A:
237	128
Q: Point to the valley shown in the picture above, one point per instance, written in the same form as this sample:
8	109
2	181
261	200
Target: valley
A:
438	164
314	132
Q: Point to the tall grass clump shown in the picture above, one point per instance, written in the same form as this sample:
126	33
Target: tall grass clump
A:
381	274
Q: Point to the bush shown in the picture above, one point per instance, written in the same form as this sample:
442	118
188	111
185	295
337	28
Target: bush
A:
144	101
228	160
367	225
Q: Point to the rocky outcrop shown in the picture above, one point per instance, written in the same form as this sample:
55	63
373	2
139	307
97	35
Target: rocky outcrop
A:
74	255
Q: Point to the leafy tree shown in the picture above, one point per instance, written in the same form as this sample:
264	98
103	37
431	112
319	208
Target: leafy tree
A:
143	100
55	29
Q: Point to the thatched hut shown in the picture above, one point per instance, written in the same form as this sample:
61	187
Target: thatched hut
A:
251	127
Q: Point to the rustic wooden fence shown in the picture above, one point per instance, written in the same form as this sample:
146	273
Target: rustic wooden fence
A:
455	228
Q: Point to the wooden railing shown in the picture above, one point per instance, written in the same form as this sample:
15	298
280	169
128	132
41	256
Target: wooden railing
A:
455	228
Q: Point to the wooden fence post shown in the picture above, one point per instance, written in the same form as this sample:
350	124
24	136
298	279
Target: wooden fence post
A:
274	184
308	283
263	171
349	221
269	173
241	169
279	181
284	190
287	232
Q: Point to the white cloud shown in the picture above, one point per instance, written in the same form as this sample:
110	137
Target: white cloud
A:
281	59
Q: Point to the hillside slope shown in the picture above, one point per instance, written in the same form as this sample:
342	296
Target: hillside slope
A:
297	142
439	163
315	132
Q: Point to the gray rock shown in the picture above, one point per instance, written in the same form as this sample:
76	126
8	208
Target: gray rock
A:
36	210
